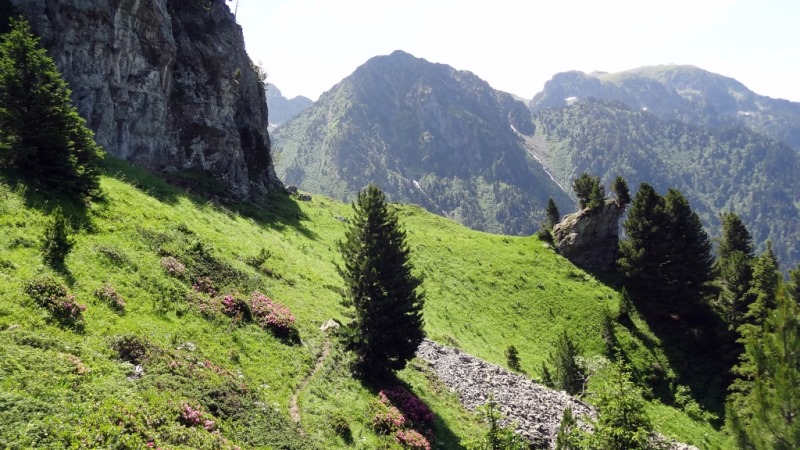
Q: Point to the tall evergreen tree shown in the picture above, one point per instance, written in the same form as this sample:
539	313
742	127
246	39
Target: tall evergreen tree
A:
735	237
553	215
689	263
764	287
793	288
41	134
763	412
387	322
642	253
567	374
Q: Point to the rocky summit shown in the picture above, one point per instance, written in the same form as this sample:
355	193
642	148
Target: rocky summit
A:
166	84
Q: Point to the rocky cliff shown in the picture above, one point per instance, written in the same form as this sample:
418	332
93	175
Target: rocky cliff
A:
590	237
166	84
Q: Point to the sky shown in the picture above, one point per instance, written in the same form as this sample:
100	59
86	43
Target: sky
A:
307	46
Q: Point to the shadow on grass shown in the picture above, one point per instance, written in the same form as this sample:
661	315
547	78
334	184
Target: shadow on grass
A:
276	210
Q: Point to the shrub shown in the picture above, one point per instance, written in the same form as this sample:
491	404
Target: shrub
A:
271	315
172	266
387	419
512	357
414	409
193	416
236	308
132	349
53	296
412	439
205	285
108	294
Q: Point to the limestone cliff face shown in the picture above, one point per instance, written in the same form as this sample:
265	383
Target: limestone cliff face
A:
590	237
166	84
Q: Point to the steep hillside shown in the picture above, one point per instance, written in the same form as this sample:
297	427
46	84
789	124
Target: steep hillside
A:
166	84
160	363
282	109
719	169
684	93
427	134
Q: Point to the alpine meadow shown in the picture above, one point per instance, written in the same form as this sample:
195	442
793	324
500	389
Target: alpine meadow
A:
416	260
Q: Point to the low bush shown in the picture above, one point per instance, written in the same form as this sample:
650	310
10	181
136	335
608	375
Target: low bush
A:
109	295
271	315
53	296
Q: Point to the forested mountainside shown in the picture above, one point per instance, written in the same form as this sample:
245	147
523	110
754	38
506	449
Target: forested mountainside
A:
427	134
719	169
685	93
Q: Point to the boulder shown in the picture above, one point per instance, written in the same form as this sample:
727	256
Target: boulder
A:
590	237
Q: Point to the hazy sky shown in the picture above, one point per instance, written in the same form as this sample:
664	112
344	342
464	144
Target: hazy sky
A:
307	46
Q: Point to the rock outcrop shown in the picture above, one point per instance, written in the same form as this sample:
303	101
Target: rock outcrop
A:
536	409
590	237
166	84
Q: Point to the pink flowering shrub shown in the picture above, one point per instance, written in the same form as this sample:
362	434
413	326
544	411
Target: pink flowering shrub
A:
172	266
270	314
108	294
387	419
192	416
412	407
412	439
236	308
205	285
53	296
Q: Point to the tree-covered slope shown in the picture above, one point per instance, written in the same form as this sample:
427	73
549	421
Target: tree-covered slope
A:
720	169
684	93
426	134
152	371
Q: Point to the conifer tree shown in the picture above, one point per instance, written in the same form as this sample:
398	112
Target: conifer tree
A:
793	288
589	191
763	412
764	287
734	269
689	262
567	374
553	215
641	254
387	322
41	133
735	237
621	191
57	242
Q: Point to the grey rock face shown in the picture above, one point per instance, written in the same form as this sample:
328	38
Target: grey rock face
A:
163	83
589	238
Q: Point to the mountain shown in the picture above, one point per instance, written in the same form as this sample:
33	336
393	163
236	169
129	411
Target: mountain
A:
684	93
166	84
427	134
730	168
281	109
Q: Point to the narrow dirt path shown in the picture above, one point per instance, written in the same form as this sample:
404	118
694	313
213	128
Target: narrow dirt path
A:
294	404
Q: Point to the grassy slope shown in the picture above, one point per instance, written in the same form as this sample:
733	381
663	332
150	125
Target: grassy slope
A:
59	387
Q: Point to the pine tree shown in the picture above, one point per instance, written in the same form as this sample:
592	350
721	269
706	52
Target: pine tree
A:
734	269
763	412
387	324
622	422
41	133
589	191
735	237
620	190
553	216
688	266
642	253
793	288
567	374
764	287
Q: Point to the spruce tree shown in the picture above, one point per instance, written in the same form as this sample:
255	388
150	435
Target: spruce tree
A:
387	320
567	374
589	191
764	287
688	266
642	253
42	136
763	412
57	242
793	288
735	237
